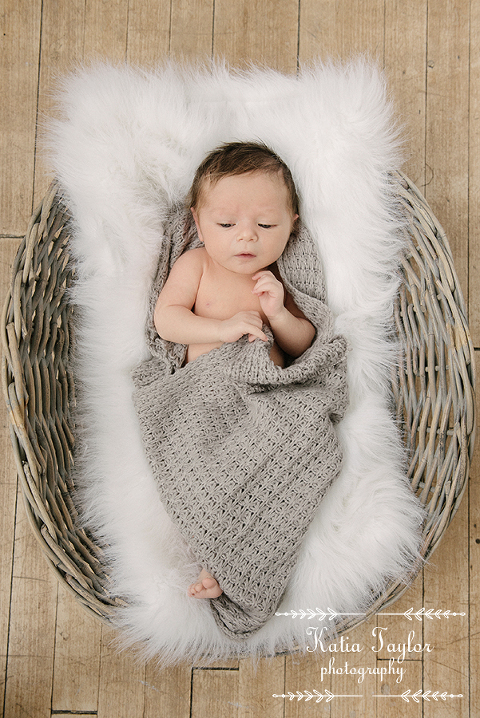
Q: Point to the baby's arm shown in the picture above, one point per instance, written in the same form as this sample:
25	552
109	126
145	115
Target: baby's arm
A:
174	319
292	330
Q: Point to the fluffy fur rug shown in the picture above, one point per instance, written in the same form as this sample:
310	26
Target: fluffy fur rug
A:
124	150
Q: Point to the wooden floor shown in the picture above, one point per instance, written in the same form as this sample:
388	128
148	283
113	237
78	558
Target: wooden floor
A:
56	659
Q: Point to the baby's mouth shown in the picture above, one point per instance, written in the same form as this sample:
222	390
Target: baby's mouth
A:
245	254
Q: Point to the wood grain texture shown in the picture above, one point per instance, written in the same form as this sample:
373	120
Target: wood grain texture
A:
215	692
446	667
148	31
106	30
31	642
8	488
262	31
391	705
341	30
191	33
474	176
19	61
474	569
303	673
77	657
63	38
167	691
121	681
257	684
405	67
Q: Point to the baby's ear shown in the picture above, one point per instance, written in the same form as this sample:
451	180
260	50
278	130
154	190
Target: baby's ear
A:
195	217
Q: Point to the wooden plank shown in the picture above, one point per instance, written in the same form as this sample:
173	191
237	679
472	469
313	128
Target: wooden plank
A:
474	175
446	667
32	627
191	35
77	657
405	67
167	691
19	52
447	124
303	673
148	31
257	683
356	695
214	693
260	31
106	30
121	681
8	485
61	50
320	30
474	568
8	494
391	705
340	29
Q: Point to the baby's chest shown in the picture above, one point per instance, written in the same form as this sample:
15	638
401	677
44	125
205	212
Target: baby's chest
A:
222	301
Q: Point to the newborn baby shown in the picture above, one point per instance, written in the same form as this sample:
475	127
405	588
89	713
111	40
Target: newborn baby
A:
245	205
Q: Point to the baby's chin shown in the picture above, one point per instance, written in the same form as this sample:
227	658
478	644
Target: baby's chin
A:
248	265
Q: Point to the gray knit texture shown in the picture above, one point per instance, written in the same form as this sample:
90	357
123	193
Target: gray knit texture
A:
243	450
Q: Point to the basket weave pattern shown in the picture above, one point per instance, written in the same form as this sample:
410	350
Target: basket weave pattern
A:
433	390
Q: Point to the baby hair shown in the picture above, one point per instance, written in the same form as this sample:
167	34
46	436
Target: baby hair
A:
238	158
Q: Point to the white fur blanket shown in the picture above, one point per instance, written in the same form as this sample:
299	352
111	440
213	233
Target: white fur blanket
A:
124	151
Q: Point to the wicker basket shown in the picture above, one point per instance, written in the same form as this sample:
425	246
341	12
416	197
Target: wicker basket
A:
433	390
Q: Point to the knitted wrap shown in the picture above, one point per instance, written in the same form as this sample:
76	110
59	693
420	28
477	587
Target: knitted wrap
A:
243	450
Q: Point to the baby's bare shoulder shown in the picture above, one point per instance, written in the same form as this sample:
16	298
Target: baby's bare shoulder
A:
192	258
190	265
183	281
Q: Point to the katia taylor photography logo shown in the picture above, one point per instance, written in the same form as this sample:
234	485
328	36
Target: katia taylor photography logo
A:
339	654
397	653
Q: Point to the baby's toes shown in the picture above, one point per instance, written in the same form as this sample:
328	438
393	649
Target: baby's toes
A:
194	589
212	589
209	582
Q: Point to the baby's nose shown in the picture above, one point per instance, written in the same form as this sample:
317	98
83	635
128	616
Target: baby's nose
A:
247	232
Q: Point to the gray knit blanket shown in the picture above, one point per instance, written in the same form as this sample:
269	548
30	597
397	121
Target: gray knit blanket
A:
243	450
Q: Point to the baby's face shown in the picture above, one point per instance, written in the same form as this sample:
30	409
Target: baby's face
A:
245	221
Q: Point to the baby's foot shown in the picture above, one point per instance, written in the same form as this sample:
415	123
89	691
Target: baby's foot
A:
205	587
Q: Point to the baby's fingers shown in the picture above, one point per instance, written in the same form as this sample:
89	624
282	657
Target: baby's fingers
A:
254	318
268	285
263	273
257	334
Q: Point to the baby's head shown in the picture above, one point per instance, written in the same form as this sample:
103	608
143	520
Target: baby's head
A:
239	158
244	204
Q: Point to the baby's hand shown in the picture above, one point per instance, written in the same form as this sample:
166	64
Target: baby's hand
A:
242	323
270	293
